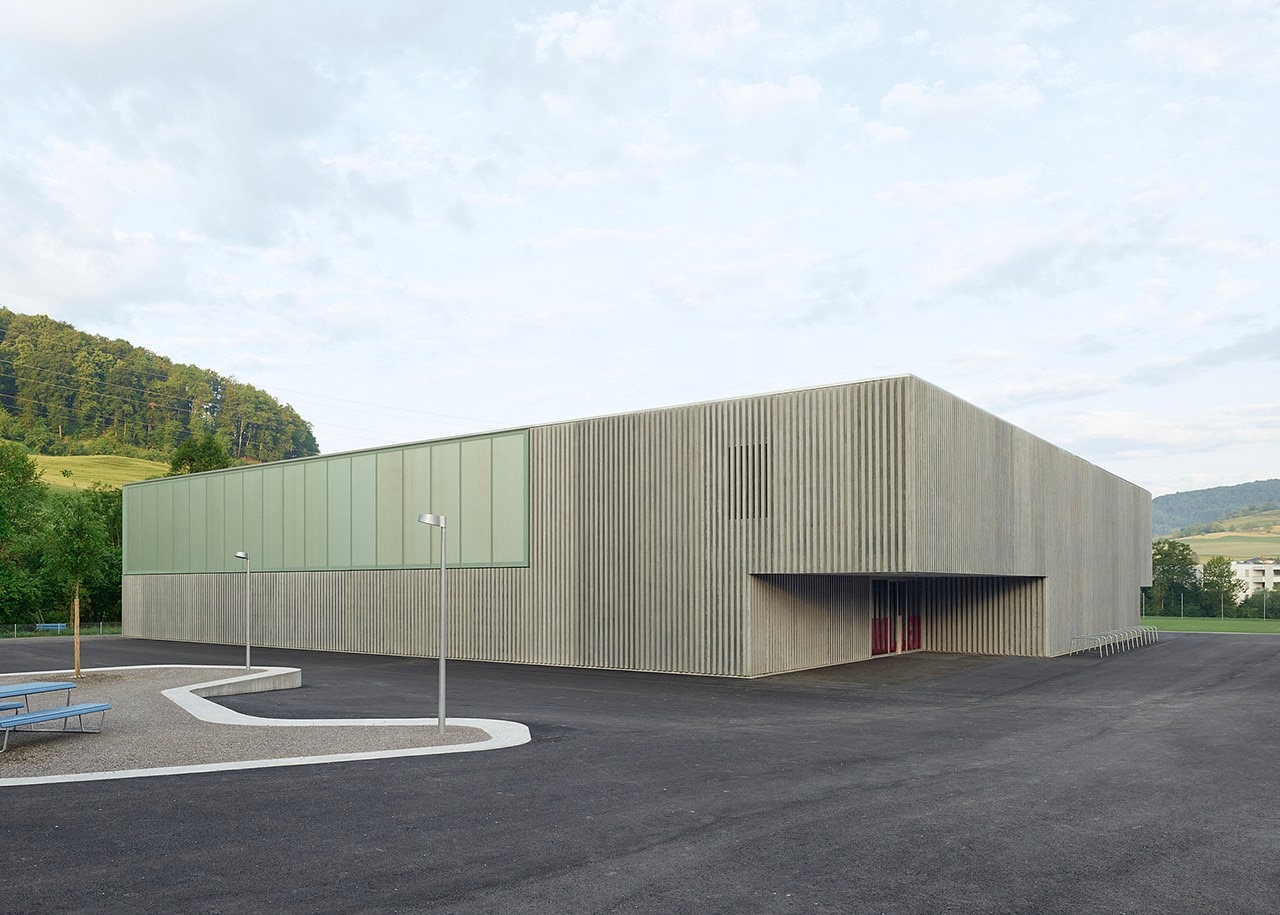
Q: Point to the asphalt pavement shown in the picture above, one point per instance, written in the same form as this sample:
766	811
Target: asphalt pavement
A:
1142	782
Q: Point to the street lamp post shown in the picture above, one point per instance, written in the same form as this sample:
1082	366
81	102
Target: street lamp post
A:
439	521
245	556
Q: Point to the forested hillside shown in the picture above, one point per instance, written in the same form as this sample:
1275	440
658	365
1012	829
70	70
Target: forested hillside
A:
63	391
1200	506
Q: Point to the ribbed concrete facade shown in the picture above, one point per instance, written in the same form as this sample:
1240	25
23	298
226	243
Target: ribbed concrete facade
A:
739	538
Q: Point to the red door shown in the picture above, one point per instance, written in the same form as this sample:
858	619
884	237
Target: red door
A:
895	617
881	635
913	632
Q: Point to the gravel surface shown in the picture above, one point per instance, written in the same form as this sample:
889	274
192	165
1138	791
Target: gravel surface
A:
145	730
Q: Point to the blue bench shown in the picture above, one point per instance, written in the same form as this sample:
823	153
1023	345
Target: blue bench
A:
10	723
9	706
50	627
27	690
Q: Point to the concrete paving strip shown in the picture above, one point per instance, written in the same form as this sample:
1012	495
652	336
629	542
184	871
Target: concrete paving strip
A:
162	724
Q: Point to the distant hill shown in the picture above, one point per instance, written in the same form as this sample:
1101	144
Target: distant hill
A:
65	392
1180	510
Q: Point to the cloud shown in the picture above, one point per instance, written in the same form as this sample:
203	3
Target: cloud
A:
918	99
660	150
752	101
576	37
1006	56
391	197
880	132
836	290
89	283
707	29
824	39
1258	344
574	178
1248	248
1090	345
576	235
459	216
1048	388
1044	17
974	358
1034	261
197	102
983	191
1126	433
1174	48
1231	287
1240	45
78	26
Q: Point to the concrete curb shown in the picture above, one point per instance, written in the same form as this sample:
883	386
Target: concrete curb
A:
502	734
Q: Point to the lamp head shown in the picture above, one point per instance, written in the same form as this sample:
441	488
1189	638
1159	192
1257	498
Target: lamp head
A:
433	520
242	555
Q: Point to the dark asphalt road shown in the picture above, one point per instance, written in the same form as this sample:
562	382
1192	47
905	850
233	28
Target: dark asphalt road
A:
1145	782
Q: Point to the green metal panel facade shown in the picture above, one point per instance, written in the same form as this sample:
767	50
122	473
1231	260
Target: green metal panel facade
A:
338	513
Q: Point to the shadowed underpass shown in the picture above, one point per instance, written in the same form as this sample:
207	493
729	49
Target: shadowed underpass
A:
1143	782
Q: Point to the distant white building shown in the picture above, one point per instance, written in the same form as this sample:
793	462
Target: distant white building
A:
1257	574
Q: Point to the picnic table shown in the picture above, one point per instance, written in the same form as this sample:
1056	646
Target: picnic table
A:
28	717
25	690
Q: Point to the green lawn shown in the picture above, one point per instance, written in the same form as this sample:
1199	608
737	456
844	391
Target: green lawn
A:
1210	624
108	469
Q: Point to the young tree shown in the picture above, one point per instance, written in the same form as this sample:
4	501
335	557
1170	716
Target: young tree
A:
1219	585
77	546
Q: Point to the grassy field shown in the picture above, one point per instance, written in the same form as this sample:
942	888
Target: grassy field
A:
1246	537
1235	544
107	469
1268	522
1210	624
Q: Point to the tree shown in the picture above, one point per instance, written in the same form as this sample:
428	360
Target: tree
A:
1219	585
1260	603
77	548
245	416
102	584
198	454
1174	582
21	494
21	489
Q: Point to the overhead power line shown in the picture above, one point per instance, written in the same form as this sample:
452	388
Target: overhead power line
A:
408	410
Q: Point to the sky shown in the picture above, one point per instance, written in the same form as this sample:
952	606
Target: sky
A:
418	220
